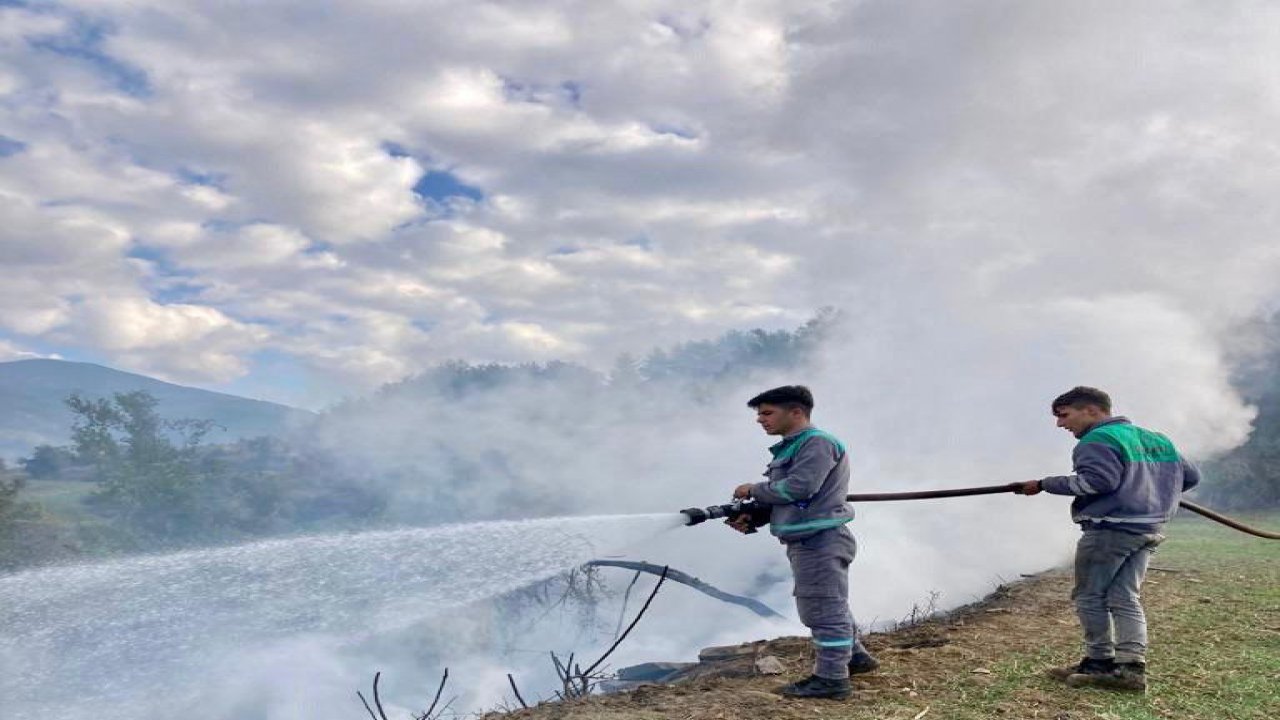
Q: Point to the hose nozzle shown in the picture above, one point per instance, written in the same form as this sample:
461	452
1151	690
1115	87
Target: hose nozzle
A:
693	516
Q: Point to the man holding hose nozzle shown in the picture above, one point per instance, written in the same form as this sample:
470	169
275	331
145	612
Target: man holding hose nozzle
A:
1126	484
805	489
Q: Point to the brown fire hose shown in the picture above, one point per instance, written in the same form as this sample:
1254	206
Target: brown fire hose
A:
1012	487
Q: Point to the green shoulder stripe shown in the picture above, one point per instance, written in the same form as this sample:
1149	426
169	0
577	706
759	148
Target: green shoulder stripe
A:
1134	444
793	446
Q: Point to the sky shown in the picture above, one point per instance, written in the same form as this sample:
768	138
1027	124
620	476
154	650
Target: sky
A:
303	200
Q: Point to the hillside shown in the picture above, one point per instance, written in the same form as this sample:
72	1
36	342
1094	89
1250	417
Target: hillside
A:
32	411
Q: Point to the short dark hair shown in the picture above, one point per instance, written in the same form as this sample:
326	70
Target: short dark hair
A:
1080	396
787	396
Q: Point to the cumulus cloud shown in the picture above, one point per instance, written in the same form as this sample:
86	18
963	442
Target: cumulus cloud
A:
167	340
640	175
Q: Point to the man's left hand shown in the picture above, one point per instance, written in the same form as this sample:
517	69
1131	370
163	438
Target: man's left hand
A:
1030	487
742	491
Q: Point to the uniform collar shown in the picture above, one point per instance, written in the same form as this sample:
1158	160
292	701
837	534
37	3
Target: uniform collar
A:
787	439
1117	420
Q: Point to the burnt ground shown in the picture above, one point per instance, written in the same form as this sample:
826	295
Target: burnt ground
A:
918	662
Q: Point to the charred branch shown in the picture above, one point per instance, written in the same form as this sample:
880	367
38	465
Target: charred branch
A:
575	682
751	604
516	690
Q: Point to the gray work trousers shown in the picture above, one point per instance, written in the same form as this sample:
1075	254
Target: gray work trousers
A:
820	566
1110	568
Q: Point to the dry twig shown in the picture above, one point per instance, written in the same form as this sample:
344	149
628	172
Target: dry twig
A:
516	690
434	701
576	682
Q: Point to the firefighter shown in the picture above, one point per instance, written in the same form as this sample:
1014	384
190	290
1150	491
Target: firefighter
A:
1127	482
805	486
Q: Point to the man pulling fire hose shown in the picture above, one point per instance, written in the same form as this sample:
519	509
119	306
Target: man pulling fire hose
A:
1127	482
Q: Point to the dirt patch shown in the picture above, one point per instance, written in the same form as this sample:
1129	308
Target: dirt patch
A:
917	661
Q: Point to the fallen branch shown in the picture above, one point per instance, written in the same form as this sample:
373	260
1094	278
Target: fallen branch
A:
751	604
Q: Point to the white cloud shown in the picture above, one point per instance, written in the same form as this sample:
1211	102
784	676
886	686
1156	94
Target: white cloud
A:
255	245
12	351
171	341
650	173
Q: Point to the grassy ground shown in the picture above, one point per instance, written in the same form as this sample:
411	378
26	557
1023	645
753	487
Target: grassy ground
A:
61	497
1213	604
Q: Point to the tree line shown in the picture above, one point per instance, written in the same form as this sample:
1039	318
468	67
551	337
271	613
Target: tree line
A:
151	482
132	479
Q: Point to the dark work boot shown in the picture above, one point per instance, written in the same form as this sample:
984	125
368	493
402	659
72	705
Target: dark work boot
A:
1097	674
819	687
862	663
1131	676
1086	666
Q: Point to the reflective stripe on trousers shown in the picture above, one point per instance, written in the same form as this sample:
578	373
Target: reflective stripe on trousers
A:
820	566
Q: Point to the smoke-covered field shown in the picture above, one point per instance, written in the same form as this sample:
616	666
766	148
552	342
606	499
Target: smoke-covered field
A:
1003	200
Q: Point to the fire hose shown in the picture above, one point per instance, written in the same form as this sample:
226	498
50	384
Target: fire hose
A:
758	510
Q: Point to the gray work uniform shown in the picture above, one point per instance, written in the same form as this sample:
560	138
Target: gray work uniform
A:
808	479
1126	484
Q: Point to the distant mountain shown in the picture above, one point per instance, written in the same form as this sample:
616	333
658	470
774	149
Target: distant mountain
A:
32	411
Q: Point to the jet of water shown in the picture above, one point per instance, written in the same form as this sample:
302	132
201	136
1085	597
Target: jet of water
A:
99	640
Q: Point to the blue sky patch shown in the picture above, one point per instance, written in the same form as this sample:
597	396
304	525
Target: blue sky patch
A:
395	149
518	91
279	377
680	132
160	260
83	41
192	176
440	185
568	92
178	292
572	92
9	146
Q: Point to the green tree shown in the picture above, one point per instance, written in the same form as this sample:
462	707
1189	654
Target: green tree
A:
48	462
28	535
148	469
